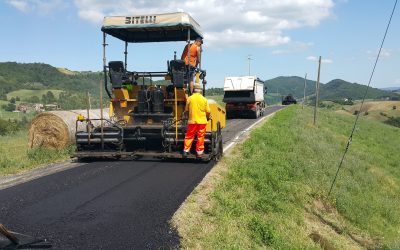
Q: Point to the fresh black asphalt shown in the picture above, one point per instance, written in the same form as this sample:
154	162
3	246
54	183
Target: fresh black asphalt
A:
108	204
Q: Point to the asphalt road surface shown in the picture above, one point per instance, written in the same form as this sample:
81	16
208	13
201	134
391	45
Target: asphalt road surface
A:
108	204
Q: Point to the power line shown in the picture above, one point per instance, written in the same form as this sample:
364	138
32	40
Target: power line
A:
363	100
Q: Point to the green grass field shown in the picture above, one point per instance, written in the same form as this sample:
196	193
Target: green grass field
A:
5	115
17	157
2	102
271	192
23	94
217	98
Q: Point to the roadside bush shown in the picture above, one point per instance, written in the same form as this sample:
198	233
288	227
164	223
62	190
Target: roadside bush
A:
9	107
8	127
394	121
12	126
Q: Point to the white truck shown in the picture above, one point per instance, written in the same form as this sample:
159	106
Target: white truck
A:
244	96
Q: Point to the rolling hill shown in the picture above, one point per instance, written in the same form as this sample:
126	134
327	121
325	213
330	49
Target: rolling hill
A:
393	89
39	76
339	89
334	90
284	85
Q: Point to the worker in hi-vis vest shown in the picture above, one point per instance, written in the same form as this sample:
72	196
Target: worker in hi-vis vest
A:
198	111
193	54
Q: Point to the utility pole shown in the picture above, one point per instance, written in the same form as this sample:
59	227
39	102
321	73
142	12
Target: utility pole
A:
101	115
249	59
317	90
305	87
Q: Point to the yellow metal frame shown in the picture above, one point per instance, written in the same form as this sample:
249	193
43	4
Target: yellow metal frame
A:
125	101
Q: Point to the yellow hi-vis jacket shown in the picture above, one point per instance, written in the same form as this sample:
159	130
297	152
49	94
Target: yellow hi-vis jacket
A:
197	106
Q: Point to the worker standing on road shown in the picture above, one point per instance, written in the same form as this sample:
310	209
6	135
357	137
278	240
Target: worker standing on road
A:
194	55
198	109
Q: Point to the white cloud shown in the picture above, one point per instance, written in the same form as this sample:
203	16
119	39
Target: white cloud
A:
224	22
385	54
323	60
20	5
42	7
397	81
312	58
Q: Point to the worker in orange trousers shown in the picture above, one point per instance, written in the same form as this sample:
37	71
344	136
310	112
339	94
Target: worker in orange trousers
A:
199	113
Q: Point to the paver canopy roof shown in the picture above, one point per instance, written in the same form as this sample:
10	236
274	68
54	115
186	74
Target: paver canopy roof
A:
152	28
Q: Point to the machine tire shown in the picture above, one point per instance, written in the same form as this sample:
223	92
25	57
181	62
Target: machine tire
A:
219	149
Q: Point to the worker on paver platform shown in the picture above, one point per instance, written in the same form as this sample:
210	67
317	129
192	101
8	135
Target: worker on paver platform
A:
199	112
194	55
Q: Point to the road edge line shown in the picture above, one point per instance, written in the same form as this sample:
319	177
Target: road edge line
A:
241	133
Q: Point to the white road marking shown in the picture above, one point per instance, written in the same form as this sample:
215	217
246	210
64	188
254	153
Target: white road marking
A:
241	133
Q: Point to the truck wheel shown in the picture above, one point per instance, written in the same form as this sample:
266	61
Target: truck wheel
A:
256	113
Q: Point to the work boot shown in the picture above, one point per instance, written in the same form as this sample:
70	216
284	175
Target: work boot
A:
199	155
185	154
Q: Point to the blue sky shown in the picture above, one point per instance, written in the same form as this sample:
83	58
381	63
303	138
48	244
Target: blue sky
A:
283	37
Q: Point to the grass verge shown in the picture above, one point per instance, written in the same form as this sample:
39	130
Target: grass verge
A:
15	156
272	191
218	99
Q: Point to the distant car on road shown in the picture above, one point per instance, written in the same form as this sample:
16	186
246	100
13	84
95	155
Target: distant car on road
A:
289	99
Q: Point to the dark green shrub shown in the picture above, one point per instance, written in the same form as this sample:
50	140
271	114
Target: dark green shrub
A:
9	107
394	121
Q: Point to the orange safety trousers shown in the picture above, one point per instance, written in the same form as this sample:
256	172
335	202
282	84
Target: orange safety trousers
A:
191	131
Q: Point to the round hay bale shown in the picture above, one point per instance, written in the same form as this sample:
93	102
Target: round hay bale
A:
48	130
56	129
